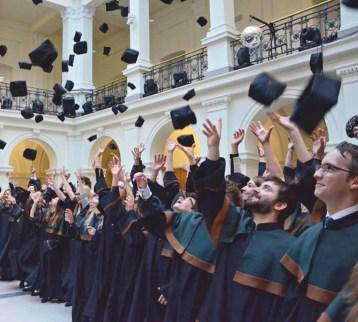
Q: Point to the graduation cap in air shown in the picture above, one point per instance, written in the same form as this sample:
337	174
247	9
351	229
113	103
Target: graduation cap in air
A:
115	110
112	5
139	122
130	56
80	48
316	63
3	50
18	88
265	89
131	85
2	144
29	154
24	65
202	21
69	108
189	95
186	140
351	3
87	108
124	11
77	37
71	58
106	50
167	1
65	66
44	56
37	106
39	118
122	108
36	2
61	117
92	138
103	27
69	85
57	99
182	117
27	113
59	90
320	95
351	124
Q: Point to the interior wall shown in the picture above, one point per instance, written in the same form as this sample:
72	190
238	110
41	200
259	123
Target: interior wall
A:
20	42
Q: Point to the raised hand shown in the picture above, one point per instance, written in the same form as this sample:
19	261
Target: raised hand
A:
129	203
238	137
159	162
115	166
260	151
284	121
319	138
100	151
171	145
141	180
137	152
212	132
189	152
141	148
91	230
50	181
33	170
69	216
260	132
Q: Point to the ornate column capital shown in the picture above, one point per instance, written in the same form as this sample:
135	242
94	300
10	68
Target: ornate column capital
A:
77	13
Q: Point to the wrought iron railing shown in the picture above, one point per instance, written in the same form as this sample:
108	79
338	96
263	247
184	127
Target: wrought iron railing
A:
7	102
109	94
286	38
178	71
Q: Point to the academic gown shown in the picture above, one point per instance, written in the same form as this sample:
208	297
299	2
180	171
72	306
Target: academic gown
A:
320	267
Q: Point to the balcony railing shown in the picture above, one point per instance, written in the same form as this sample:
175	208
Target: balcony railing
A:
7	102
108	95
325	16
178	71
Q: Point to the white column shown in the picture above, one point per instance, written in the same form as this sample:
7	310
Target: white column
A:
218	39
78	19
349	21
215	109
131	137
138	21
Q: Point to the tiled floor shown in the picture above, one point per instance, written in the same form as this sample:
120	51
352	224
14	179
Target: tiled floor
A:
17	306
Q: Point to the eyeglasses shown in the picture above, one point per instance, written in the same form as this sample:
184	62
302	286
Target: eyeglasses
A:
329	168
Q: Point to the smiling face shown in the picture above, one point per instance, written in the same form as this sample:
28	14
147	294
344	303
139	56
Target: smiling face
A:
249	190
184	204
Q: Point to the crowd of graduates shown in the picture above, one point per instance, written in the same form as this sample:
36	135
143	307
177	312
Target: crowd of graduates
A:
280	246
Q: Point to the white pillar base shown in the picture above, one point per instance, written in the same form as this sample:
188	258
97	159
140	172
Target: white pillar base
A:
135	75
349	21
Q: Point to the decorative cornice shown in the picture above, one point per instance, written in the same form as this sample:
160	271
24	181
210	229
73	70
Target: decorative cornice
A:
347	70
221	102
77	13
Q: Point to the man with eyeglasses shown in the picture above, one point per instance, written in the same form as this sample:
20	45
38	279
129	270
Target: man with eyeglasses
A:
322	258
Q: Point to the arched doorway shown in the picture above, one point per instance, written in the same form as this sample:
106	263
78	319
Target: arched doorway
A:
22	167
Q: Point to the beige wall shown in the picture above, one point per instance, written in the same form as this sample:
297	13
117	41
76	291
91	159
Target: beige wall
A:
20	42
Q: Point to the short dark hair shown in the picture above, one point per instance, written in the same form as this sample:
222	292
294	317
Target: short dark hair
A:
86	181
286	194
345	148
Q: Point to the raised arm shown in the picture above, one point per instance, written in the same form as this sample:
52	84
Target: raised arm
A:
289	168
319	138
237	138
158	164
66	184
263	137
58	192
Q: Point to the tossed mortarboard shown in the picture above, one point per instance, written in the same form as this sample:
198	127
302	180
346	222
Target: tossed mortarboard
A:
103	27
202	21
92	138
61	117
36	2
131	85
27	113
186	140
25	65
80	48
189	95
71	58
106	50
316	63
65	66
265	89
351	3
37	106
18	88
139	122
182	117
167	1
57	99
69	85
112	5
115	109
39	118
69	108
351	124
3	50
130	56
58	89
77	37
44	55
29	154
2	144
124	11
320	95
122	108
